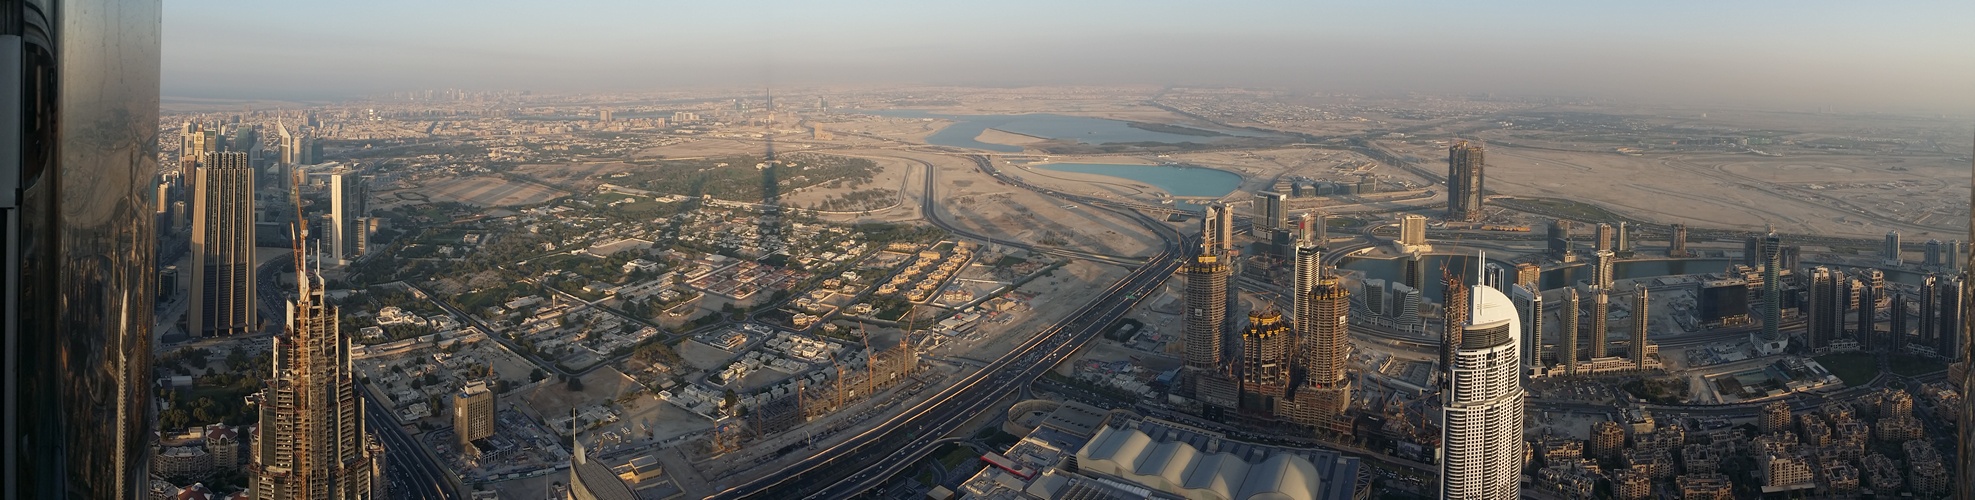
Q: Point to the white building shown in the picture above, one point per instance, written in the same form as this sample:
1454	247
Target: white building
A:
1482	437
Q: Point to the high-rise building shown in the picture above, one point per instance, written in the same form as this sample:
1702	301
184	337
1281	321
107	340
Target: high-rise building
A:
1602	267
1269	216
1951	255
1405	308
1677	245
1373	291
1641	319
603	115
1560	241
1950	309
1206	311
348	216
1930	324
1772	285
1624	239
1308	268
1896	321
1891	250
222	299
1827	312
1606	235
1412	230
1316	227
1328	345
1266	354
80	271
1453	314
1871	288
1481	437
1529	275
473	412
311	442
1601	308
1413	270
1529	301
1493	274
1217	229
1933	254
1464	181
1567	322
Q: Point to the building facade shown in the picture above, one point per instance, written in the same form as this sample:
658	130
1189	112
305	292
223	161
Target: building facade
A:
222	298
1482	438
1464	181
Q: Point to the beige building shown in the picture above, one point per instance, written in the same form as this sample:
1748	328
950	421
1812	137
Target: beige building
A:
473	412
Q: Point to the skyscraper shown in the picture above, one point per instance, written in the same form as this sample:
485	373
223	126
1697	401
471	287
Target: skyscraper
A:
1567	321
1640	320
222	299
1559	239
1933	254
1464	181
1269	216
1328	346
1827	312
1405	308
1453	314
1309	262
1413	271
1606	235
1316	225
1896	322
311	442
1206	311
473	412
1529	301
80	270
1602	267
1482	442
1601	309
1217	229
1929	332
1266	353
1676	245
1529	275
1624	239
1772	286
1412	230
348	216
1871	289
1949	313
1891	250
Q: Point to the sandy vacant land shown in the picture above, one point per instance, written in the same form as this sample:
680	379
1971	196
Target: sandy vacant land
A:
982	204
998	136
482	191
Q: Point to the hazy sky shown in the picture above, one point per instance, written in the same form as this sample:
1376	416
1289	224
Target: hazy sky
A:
1902	56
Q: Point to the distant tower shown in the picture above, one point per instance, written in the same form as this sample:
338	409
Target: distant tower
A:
1827	312
1530	301
1269	216
1677	245
1560	241
1640	321
348	211
1482	435
1206	311
1406	308
1412	230
1624	238
1464	182
1217	230
1413	270
1772	285
1529	275
1318	224
1930	324
1567	321
1265	359
1606	235
1601	308
1328	346
1891	251
1454	312
1949	309
1308	269
1602	267
1896	318
1933	254
1871	289
222	298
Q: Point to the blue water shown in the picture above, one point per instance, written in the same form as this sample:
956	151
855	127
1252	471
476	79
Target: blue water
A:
965	128
1178	180
1390	270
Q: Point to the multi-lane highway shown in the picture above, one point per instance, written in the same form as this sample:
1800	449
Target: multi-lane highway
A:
411	472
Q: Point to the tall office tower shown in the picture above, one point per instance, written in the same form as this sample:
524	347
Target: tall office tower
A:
1453	314
1896	319
1624	238
1605	236
1891	250
1265	358
81	131
1752	251
1412	230
1413	270
222	247
1933	254
1481	436
199	139
1464	181
1871	287
1949	310
1217	230
1269	216
1316	225
1329	344
1530	301
1930	324
1374	292
473	412
1789	257
1640	319
1601	268
1406	308
1567	322
1601	309
1206	311
1309	267
1677	245
311	442
1827	312
1560	241
1951	255
1529	275
287	146
1772	285
348	208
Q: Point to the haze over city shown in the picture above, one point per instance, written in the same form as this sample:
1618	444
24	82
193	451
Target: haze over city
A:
1848	56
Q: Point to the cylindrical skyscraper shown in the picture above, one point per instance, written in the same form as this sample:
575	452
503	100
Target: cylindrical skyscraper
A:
78	149
1206	310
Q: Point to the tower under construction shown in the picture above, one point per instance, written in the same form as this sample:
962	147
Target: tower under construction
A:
311	443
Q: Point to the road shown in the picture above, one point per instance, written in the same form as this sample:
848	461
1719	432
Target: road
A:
411	472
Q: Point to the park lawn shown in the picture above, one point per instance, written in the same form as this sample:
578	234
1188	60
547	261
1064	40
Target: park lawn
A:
1909	366
1855	368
